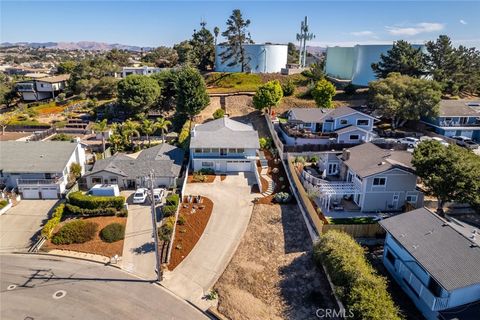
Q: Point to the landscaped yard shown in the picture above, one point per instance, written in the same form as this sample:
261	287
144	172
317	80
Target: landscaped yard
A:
219	82
272	274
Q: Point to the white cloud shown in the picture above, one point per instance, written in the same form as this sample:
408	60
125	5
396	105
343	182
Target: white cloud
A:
418	28
362	33
463	21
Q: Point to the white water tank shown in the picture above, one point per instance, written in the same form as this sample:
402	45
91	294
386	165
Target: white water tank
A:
264	58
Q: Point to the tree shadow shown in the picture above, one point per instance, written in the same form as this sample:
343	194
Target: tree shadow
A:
295	233
144	248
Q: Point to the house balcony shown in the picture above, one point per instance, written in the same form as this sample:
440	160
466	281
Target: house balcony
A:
293	130
418	288
39	182
452	124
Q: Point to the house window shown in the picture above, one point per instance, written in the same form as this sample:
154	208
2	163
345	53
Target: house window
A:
240	150
198	150
363	122
214	150
206	150
344	121
390	257
207	164
223	152
379	181
113	180
412	198
97	180
354	137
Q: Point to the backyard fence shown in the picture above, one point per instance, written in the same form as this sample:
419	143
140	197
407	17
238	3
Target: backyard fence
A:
373	230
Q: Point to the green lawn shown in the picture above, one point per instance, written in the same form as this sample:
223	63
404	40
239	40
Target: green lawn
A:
219	82
360	220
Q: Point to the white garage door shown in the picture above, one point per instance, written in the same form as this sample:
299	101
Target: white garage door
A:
31	193
238	165
49	193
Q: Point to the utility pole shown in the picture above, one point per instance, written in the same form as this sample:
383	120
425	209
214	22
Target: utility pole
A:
155	233
302	37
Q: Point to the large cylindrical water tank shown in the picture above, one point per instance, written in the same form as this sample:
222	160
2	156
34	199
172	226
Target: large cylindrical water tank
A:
263	58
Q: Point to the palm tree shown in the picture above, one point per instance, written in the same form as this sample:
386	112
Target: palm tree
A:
148	127
117	141
130	129
163	125
102	127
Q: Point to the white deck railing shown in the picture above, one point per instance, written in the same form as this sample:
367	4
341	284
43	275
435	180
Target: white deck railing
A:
330	187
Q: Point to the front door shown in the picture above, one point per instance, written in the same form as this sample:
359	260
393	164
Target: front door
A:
395	201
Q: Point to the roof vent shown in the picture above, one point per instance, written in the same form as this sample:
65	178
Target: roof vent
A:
381	163
415	247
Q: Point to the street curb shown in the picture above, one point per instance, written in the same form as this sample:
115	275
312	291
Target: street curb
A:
70	257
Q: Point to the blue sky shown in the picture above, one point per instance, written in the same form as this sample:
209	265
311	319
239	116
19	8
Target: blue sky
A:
154	23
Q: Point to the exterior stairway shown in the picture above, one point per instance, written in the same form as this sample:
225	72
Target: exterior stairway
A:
271	184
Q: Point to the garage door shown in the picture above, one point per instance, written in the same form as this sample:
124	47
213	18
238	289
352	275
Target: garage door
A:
31	193
49	193
238	165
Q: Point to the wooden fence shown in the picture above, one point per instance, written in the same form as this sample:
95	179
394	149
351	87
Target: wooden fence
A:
355	230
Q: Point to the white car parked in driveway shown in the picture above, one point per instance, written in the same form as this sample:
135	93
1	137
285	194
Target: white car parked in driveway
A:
140	195
158	194
409	141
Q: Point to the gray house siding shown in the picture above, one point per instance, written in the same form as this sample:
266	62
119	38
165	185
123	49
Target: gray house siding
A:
352	120
105	177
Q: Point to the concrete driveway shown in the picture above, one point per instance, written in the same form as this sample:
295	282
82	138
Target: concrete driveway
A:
20	224
138	255
232	208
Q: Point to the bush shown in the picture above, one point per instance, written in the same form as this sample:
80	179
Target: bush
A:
314	159
169	210
173	199
323	92
265	143
113	232
206	171
95	202
166	230
122	213
77	211
300	160
219	113
282	197
288	88
199	177
77	231
53	222
3	203
361	289
350	89
62	137
184	136
181	220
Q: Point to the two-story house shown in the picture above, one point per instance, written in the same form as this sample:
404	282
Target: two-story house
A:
39	169
436	262
457	118
224	145
323	126
374	179
42	88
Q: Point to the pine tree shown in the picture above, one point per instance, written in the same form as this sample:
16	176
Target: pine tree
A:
203	48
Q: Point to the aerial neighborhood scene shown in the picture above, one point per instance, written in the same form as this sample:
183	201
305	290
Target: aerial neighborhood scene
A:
240	160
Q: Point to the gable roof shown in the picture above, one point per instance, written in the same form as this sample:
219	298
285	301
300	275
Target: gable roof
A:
445	253
368	159
350	128
224	133
165	160
458	108
54	79
320	114
35	156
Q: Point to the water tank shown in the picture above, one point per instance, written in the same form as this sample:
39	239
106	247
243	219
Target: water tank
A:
264	58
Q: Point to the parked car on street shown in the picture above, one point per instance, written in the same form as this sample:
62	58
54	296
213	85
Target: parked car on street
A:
438	139
465	142
140	195
409	141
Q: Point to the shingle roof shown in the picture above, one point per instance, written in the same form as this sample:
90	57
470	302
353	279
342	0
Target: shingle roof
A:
35	156
224	133
368	159
348	129
320	114
459	108
165	161
447	255
53	79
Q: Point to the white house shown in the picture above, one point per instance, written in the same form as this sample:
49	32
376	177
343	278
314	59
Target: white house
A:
145	71
39	169
42	88
224	145
436	261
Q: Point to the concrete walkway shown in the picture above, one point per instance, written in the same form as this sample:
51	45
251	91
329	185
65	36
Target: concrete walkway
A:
138	255
232	208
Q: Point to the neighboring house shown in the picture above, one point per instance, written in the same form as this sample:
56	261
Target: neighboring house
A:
372	179
457	118
164	161
224	145
263	58
145	71
324	126
436	262
39	169
42	88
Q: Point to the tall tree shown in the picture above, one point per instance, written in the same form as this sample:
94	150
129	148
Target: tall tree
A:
101	127
6	119
167	81
148	128
130	129
203	48
237	35
448	173
293	53
442	61
401	98
163	125
66	67
402	58
268	95
185	52
323	93
138	92
192	96
216	31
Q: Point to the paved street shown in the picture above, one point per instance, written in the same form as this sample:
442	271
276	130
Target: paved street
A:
232	207
138	249
19	224
43	287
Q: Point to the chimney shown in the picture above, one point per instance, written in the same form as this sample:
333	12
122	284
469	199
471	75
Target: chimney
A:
346	154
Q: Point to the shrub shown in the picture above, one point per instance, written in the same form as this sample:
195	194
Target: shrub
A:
166	230
77	211
265	143
313	159
113	232
288	88
199	177
206	171
184	136
300	160
122	213
3	203
95	202
350	89
77	231
282	197
219	113
169	210
181	220
53	222
62	137
173	199
361	289
323	92
75	170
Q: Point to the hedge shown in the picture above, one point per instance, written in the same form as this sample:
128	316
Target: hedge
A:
113	232
184	136
360	288
173	199
169	210
166	230
53	222
77	231
84	201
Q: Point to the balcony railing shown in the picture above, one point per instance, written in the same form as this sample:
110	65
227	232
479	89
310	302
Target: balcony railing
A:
330	187
458	124
38	182
292	130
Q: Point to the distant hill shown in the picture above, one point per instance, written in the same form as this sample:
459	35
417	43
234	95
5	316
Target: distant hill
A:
81	45
316	51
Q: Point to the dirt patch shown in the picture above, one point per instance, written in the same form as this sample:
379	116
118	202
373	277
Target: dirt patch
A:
272	274
209	178
276	172
223	177
188	234
97	245
8	136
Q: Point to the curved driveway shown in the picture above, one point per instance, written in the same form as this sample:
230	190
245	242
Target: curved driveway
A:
92	291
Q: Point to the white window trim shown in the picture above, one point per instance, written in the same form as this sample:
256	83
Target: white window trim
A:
363	125
379	186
